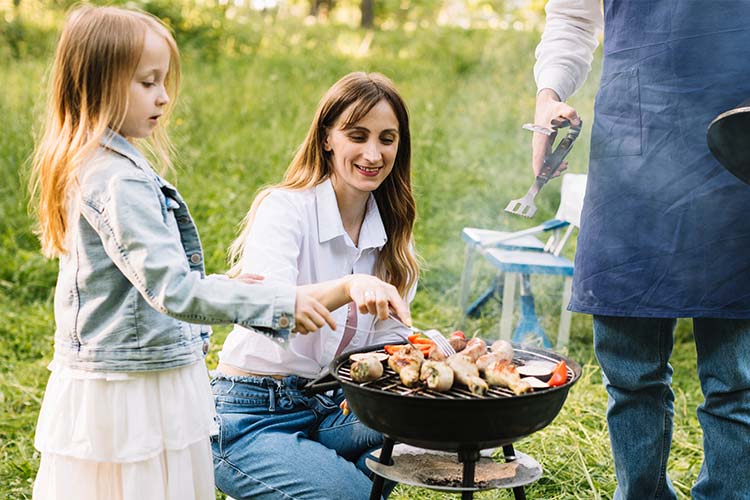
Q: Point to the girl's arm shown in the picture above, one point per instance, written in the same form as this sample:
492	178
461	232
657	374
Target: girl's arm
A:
126	212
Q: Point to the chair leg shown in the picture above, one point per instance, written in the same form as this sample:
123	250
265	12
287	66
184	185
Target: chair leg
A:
474	308
469	255
565	316
509	294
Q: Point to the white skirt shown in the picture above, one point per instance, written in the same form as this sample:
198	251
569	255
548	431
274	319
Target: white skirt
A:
128	436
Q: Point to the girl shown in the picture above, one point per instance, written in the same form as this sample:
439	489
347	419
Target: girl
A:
345	206
127	412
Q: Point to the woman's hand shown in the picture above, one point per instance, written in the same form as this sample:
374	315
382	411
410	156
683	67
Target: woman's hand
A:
549	110
249	278
309	314
377	297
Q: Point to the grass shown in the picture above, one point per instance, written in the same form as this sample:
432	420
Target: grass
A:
241	114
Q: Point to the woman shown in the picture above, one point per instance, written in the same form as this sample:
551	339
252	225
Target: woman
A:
344	211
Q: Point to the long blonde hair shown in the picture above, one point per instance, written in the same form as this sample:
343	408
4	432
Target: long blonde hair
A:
312	165
96	57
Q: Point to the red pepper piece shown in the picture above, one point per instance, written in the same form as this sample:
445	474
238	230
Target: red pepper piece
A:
390	349
559	375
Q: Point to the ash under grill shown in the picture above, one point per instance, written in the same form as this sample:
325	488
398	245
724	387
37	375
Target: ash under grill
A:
390	381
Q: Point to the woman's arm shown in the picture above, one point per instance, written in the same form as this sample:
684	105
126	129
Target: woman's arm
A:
272	249
370	294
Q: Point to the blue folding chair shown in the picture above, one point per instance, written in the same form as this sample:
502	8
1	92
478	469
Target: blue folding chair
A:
517	256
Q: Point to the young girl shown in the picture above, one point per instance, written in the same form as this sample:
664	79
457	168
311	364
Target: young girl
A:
345	210
128	411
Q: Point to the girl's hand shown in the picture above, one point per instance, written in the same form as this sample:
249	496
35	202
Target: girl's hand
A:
250	279
309	314
549	109
374	296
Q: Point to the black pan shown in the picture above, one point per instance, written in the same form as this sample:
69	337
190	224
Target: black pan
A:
454	424
728	138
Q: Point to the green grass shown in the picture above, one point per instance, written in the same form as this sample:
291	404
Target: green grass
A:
242	112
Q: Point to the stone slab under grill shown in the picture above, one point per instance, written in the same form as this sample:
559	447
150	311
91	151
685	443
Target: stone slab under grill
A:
443	472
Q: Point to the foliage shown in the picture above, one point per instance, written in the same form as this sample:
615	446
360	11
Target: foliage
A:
248	97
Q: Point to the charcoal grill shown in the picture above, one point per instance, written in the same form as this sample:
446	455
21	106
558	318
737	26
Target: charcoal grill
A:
455	421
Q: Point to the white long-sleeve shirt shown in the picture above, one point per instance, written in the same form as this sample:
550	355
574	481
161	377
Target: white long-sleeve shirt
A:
563	57
298	238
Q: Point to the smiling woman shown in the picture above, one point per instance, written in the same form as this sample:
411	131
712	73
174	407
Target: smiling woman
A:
362	156
345	210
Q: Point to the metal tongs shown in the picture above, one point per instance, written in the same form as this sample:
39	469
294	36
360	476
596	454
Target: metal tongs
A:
525	206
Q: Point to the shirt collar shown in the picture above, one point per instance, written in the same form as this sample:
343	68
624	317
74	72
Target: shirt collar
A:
371	234
117	143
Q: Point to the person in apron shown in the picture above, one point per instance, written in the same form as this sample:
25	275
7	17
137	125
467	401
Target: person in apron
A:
664	230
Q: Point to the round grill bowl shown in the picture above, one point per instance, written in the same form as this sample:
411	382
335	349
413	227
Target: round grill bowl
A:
442	423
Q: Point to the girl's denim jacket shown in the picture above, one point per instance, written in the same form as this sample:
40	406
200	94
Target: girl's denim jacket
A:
132	294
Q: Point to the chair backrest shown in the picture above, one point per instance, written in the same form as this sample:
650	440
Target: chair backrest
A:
571	198
571	204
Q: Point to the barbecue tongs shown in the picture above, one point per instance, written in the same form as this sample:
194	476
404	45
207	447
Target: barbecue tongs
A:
525	206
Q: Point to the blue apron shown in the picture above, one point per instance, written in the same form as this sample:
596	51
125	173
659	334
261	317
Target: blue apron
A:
665	229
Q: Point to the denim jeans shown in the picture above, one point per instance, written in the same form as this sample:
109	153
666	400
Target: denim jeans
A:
634	357
275	442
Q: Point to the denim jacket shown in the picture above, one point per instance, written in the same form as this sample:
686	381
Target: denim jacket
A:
132	294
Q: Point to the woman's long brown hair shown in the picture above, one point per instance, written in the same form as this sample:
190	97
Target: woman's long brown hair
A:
96	57
396	263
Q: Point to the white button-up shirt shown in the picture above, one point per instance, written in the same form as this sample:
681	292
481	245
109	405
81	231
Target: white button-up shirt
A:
297	237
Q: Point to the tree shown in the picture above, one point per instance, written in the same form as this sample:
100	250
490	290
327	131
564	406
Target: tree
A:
368	13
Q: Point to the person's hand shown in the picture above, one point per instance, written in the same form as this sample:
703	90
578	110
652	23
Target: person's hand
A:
309	314
374	296
249	278
549	111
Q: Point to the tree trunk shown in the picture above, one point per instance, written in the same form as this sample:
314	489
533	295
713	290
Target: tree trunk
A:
368	13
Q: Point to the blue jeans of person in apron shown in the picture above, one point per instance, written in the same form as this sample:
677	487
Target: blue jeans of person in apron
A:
665	234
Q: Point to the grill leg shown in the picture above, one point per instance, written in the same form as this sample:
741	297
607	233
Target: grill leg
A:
385	458
469	459
510	456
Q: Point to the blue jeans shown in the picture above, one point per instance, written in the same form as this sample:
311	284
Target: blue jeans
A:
275	442
634	356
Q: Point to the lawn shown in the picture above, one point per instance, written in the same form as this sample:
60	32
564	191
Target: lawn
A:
243	109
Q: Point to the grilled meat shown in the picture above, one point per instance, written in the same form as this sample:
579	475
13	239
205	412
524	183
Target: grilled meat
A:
436	354
485	360
502	373
367	368
502	349
475	348
406	362
437	375
466	372
458	343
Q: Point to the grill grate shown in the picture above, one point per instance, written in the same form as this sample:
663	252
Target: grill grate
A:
390	381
